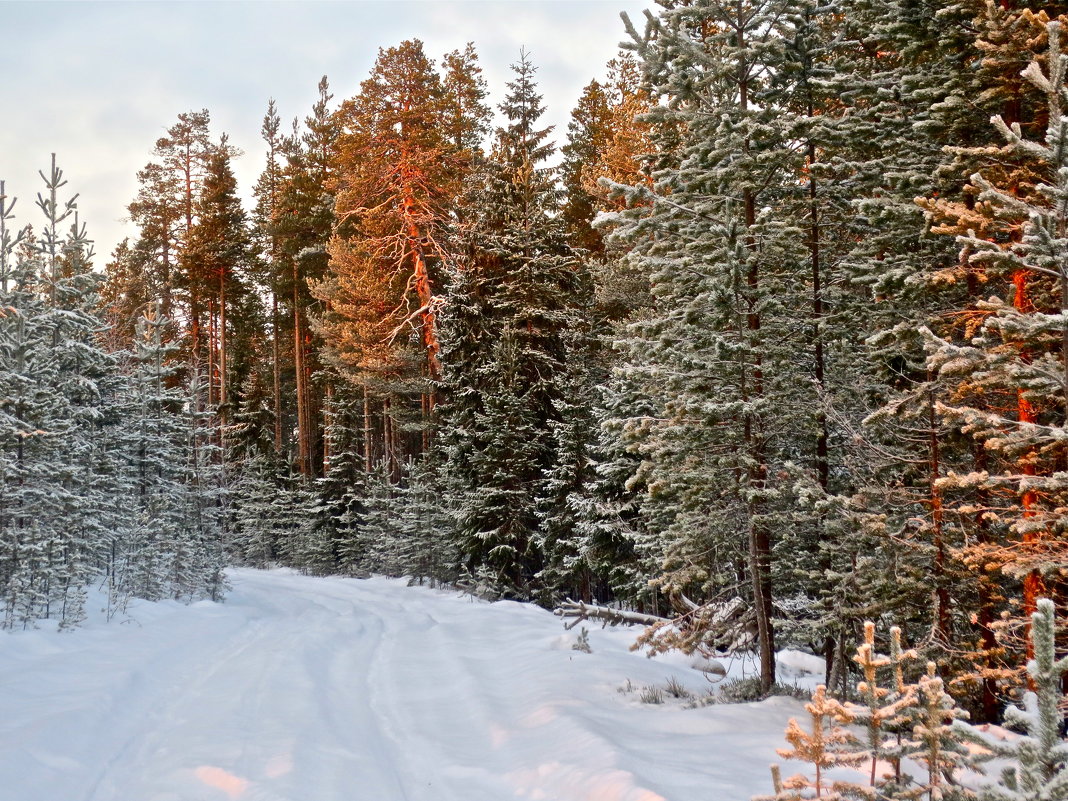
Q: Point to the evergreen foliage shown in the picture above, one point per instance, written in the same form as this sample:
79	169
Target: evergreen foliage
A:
93	478
518	268
1040	758
780	347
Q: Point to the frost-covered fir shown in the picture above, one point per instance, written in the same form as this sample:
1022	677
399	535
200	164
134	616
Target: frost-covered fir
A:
56	469
524	277
1040	756
718	355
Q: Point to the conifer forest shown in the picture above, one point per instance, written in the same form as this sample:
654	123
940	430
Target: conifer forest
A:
767	350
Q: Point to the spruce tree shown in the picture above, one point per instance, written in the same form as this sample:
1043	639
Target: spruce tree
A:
152	439
525	281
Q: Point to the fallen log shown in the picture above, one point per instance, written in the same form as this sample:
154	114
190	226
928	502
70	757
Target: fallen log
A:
610	617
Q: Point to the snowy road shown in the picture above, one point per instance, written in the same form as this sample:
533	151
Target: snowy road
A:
311	689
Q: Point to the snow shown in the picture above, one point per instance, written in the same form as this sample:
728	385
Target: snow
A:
323	689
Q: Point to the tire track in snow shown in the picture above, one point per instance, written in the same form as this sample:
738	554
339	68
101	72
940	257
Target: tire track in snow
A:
311	689
339	665
173	702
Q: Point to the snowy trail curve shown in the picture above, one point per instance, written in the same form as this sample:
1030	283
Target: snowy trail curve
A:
312	689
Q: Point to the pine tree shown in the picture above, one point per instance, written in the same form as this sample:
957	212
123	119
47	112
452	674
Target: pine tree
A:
36	420
1007	373
126	294
265	237
408	140
302	219
828	745
218	259
164	211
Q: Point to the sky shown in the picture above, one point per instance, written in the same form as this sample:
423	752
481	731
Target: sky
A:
98	83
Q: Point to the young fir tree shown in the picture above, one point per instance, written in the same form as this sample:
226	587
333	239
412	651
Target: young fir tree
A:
826	746
253	513
415	541
567	572
612	527
887	708
90	444
1040	757
199	555
342	488
152	439
37	488
381	530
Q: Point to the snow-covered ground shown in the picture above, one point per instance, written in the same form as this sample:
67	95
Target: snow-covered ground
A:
330	689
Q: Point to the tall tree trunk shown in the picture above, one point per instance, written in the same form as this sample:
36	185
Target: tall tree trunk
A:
368	462
277	371
985	616
389	441
195	308
822	461
426	401
213	344
223	400
941	624
195	357
420	271
1033	584
328	446
759	536
303	435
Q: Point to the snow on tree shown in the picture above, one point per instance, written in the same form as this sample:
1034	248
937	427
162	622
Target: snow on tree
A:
717	354
1040	756
826	745
525	279
886	709
1009	374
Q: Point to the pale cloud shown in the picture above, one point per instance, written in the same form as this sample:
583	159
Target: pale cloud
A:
99	82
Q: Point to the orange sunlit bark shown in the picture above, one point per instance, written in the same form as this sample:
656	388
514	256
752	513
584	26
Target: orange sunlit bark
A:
1033	585
410	178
